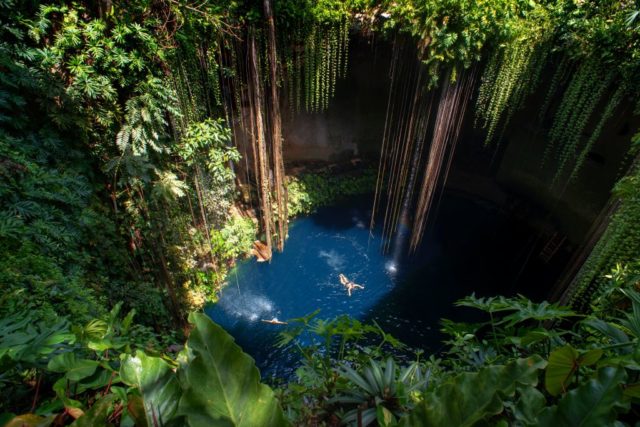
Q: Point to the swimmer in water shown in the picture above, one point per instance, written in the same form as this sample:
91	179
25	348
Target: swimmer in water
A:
349	284
274	321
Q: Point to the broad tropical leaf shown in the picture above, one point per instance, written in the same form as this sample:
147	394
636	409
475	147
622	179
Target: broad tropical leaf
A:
472	397
595	403
222	384
529	404
563	362
74	369
158	385
30	420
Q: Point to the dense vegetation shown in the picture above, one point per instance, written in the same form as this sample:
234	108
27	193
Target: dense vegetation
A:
124	189
536	364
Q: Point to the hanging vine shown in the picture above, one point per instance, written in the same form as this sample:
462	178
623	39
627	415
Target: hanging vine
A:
619	244
511	74
579	102
313	73
446	129
276	129
407	116
560	76
613	103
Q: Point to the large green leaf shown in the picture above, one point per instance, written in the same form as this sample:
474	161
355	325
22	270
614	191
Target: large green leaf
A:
595	403
30	420
472	397
97	415
74	368
158	385
563	362
529	404
221	384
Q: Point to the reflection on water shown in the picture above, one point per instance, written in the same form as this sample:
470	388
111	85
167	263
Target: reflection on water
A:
469	250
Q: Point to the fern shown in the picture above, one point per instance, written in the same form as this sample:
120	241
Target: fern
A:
10	225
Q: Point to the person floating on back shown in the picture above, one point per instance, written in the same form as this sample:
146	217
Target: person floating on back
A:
274	321
349	284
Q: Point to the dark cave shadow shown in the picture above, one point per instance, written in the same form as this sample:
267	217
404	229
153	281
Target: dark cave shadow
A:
474	248
335	218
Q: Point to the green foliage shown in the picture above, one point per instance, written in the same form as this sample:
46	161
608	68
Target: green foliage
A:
594	403
311	191
78	358
235	239
579	101
315	48
228	374
345	377
215	384
454	33
24	342
597	38
459	401
211	140
101	380
344	372
117	182
157	383
512	73
122	153
619	244
58	242
383	392
564	362
490	372
168	187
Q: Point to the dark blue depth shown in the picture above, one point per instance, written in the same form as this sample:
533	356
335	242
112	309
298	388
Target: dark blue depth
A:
466	251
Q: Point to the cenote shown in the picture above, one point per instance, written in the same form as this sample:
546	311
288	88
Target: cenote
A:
186	184
473	247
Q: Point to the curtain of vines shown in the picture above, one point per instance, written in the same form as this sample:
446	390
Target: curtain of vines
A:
619	244
315	57
511	74
587	89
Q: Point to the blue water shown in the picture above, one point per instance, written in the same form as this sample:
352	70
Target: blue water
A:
469	249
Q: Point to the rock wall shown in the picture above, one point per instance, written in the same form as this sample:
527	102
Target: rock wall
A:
354	123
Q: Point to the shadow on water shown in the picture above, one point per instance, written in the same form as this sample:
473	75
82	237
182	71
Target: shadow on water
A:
355	213
473	247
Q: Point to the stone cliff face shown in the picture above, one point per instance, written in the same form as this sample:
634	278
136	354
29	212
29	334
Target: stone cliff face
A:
354	123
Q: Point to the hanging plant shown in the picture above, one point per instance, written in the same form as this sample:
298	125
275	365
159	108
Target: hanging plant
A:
612	104
579	102
619	244
512	73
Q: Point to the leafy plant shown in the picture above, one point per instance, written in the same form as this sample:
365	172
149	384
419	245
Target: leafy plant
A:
215	383
382	392
459	402
308	192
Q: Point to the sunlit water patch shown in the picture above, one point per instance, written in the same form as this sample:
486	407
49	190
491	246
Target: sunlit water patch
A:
302	279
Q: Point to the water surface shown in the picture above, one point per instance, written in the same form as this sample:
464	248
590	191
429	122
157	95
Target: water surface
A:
469	249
